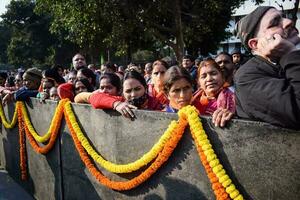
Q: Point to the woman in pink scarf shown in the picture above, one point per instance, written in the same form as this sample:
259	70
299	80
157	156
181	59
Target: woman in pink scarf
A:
213	97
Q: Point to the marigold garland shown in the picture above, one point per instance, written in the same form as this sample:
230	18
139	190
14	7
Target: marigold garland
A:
23	167
119	168
216	186
57	121
54	126
127	185
160	152
214	163
7	124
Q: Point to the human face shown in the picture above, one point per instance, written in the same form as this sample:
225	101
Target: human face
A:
273	23
80	87
53	94
18	81
236	58
30	84
107	87
158	74
180	94
148	69
71	78
78	62
47	85
132	88
187	63
210	80
224	61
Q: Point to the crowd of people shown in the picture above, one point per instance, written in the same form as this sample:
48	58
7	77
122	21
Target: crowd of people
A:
265	88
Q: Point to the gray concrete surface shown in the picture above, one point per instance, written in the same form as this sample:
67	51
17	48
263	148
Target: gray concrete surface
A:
263	160
10	190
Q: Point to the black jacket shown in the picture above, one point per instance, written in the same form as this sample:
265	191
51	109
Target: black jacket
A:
269	92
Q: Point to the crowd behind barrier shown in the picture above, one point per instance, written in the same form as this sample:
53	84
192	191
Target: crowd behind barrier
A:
261	160
265	88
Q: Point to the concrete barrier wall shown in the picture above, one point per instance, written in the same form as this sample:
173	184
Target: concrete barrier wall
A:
262	160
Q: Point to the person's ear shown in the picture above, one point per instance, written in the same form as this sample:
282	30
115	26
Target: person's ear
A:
252	43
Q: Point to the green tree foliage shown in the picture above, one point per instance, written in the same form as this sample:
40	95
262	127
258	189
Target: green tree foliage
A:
28	41
5	35
30	37
132	24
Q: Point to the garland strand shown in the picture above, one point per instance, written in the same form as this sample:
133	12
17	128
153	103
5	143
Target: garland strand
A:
127	185
216	186
7	124
119	168
214	163
160	152
23	166
54	126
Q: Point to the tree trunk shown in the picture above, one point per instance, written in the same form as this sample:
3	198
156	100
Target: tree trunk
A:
179	50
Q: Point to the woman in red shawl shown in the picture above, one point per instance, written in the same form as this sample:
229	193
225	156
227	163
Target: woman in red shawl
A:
135	96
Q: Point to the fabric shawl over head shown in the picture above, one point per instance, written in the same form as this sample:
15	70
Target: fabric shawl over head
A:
33	74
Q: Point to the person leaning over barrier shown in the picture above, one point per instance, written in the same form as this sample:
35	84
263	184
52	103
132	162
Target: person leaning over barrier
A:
31	82
268	85
135	96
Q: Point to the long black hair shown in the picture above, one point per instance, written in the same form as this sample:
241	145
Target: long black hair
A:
135	75
113	79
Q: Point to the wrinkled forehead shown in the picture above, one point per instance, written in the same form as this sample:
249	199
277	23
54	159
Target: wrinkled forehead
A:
268	17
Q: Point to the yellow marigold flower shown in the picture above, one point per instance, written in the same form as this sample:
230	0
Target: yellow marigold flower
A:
217	168
234	194
214	163
223	178
227	183
239	197
221	173
230	189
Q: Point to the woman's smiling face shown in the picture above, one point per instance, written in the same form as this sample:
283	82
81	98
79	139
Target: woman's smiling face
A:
210	80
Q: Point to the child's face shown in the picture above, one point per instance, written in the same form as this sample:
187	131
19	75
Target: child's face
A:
53	94
211	80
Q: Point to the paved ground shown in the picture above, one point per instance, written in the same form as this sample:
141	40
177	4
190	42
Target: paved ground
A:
10	190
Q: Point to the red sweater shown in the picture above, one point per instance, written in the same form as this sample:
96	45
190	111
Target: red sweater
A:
106	101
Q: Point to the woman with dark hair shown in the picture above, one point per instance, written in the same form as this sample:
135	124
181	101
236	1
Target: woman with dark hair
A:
213	97
178	88
69	90
86	73
53	75
134	97
110	84
18	83
51	78
83	85
155	89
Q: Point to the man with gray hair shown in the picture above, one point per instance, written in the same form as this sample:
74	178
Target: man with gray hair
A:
268	85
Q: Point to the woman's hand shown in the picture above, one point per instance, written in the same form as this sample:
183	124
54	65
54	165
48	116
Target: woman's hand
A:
125	109
221	116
